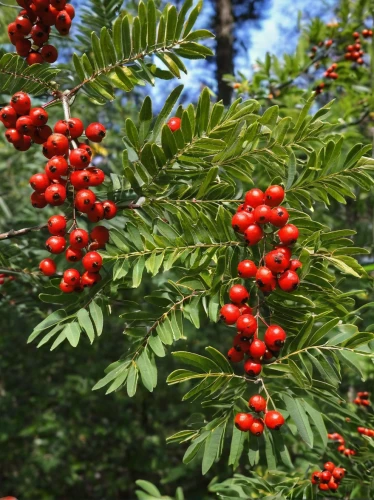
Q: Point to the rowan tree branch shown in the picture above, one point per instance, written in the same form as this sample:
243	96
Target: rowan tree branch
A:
20	232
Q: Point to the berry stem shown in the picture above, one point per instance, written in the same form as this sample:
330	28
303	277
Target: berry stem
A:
13	234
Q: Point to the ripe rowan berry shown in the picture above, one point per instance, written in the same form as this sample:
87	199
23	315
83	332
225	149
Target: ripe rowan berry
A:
285	250
56	145
238	294
264	277
274	195
57	167
86	147
247	269
65	288
323	486
57	225
96	132
241	342
257	349
73	254
39	116
338	473
76	127
24	126
257	427
58	4
262	214
252	368
97	176
243	421
235	355
100	234
275	337
24	144
78	238
14	34
41	134
295	265
279	216
330	466
288	234
92	262
174	124
241	220
39	182
71	276
245	309
276	261
23	24
84	200
257	403
49	53
244	208
13	136
253	234
8	116
79	158
229	313
288	281
254	197
274	420
90	279
333	486
55	194
80	179
38	200
246	324
110	209
325	476
96	212
55	244
48	267
316	476
63	23
70	10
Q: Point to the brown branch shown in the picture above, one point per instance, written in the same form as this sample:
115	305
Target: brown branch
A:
20	232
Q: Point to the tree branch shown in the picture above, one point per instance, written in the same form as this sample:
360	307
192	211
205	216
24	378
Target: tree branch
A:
20	232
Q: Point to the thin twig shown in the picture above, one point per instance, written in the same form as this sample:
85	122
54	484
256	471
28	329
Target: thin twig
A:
20	232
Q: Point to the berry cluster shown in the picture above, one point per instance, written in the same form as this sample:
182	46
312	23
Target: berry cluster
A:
331	72
3	277
341	448
365	431
329	478
354	51
246	422
362	399
31	29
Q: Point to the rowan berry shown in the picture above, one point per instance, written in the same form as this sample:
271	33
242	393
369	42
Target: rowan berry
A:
76	127
39	182
241	221
262	214
34	58
70	10
274	195
264	276
92	262
174	124
48	267
288	281
279	216
323	486
38	200
13	136
84	200
55	194
57	225
86	147
243	421
252	368
73	254
14	34
100	234
253	234
41	134
274	420
39	116
330	466
71	276
275	337
24	144
63	23
238	294
78	238
257	348
276	261
241	342
229	313
65	288
97	176
57	144
235	355
254	198
285	250
257	403
24	126
23	47
90	279
96	212
246	324
96	132
80	179
288	234
257	427
295	265
57	167
245	309
110	209
316	477
23	24
55	244
247	269
79	158
8	116
333	486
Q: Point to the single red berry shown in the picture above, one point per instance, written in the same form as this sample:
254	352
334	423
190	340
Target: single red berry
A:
57	167
361	430
235	355
285	250
257	349
23	47
48	267
21	102
49	53
264	277
254	198
34	58
8	116
316	477
241	221
338	473
57	144
79	158
288	281
243	421
274	195
39	182
55	194
174	124
253	234
55	244
86	147
39	116
95	132
247	269
323	486
13	136
23	145
257	427
38	200
25	126
84	200
65	288
39	35
257	403
245	309
73	254
90	279
110	209
279	216
341	448
330	466
238	294
62	127
14	35
276	261
275	337
252	368
79	238
274	420
100	234
246	324
241	342
262	214
333	486
23	25
325	476
97	176
76	127
63	23
295	265
229	313
268	355
92	262
80	179
71	276
244	208
96	213
288	234
57	225
70	10
41	134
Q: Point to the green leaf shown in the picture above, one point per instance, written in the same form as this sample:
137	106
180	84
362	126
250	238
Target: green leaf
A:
132	380
86	324
147	372
237	444
201	362
72	332
148	487
97	317
211	448
300	418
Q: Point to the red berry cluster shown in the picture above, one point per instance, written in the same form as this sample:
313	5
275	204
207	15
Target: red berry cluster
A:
329	478
331	72
362	399
341	448
365	431
31	29
3	277
246	422
354	51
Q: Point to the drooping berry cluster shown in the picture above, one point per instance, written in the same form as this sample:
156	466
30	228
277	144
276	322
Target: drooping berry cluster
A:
355	51
329	478
341	448
331	72
362	399
246	422
31	29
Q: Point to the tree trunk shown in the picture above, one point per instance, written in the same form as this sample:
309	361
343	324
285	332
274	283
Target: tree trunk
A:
225	47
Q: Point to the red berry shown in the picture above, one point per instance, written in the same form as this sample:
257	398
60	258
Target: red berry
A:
58	4
243	421
246	324
247	269
25	126
274	420
235	355
8	116
39	117
238	294
323	486
241	221
23	47
244	208
39	182
361	430
79	158
241	342
57	144
341	448
63	23
100	234
86	147
229	313
338	473
254	198
285	250
70	10
268	355
333	486
288	281
80	179
55	244
252	368
65	288
325	476
13	136
295	265
57	225
288	234
264	277
275	337
316	476
90	279
329	466
257	349
92	262
71	276
62	127
38	200
14	35
276	261
262	214
34	58
23	145
96	213
95	132
49	53
79	238
41	134
279	217
257	403
48	267
97	176
84	200
257	427
57	167
76	127
253	234
73	254
246	309
174	123
110	209
55	194
274	195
